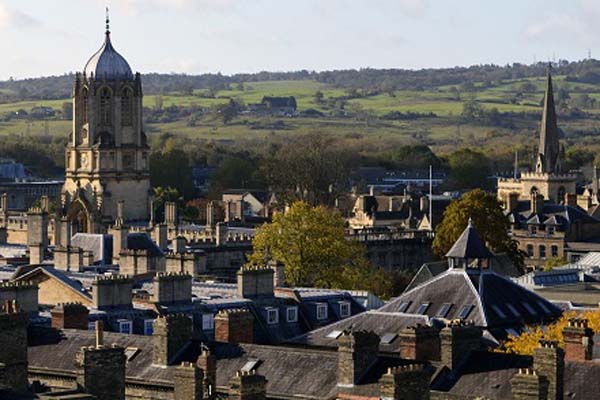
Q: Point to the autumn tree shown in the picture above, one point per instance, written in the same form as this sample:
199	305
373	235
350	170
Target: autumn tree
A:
489	220
312	168
311	244
530	337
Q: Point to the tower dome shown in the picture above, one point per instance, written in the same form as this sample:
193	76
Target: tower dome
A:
106	63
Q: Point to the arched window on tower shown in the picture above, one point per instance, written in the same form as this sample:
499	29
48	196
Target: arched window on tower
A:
86	105
105	107
126	107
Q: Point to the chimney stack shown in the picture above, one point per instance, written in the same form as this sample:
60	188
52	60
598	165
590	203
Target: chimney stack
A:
112	291
527	384
458	340
13	342
405	382
234	326
208	363
357	352
549	361
70	316
420	342
579	340
247	386
255	281
189	381
170	334
101	371
537	203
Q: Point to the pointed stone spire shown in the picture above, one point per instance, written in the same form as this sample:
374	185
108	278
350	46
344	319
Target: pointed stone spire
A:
549	135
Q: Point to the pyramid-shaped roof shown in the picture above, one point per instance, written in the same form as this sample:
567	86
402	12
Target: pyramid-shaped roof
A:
469	245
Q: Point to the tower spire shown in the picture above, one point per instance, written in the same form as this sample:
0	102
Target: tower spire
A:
549	137
107	22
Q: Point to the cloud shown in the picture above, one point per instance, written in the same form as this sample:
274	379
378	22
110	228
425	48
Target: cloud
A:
137	7
14	18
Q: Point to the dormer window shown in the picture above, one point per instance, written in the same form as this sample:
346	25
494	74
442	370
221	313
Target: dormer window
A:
533	229
292	314
344	309
321	311
148	327
550	230
272	316
125	326
423	308
208	322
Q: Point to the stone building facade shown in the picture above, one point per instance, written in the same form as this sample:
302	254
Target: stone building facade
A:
107	155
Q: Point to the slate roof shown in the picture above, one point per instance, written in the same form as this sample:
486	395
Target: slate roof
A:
381	323
108	64
58	275
501	264
290	371
141	241
488	375
492	297
469	245
100	245
552	214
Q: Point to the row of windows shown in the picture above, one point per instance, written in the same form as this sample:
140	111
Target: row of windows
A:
533	229
106	107
515	313
542	251
208	320
442	311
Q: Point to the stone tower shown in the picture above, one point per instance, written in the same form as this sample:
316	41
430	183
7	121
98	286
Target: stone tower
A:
107	154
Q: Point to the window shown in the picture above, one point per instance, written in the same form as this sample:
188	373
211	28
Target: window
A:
422	308
388	338
321	311
148	327
131	352
208	322
533	229
344	309
250	365
292	314
465	311
528	307
550	230
125	326
498	311
529	250
86	102
92	326
404	306
542	250
554	250
105	107
444	309
272	316
334	334
513	310
126	108
543	306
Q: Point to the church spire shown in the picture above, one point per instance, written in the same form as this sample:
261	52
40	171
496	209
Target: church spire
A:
549	135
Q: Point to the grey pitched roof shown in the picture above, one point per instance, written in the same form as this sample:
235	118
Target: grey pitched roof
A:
141	241
381	323
469	245
492	297
58	275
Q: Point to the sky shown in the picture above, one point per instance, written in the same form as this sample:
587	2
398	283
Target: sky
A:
53	37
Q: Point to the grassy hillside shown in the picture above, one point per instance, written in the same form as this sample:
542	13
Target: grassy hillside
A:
446	131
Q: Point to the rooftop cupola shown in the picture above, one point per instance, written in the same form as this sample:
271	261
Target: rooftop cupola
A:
468	249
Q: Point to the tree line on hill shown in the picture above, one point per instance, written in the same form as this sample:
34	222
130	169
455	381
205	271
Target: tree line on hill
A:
367	80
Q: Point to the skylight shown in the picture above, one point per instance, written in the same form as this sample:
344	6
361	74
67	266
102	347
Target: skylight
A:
334	334
512	332
528	307
388	338
422	308
465	311
543	306
444	309
250	365
513	310
498	311
404	306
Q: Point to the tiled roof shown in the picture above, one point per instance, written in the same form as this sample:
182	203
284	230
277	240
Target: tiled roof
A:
469	245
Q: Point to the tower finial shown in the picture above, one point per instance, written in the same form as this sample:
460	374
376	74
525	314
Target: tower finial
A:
107	22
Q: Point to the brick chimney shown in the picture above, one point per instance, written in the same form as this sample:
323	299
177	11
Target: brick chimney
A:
527	384
357	352
549	361
24	293
247	386
208	363
234	326
420	342
101	369
579	340
254	281
512	200
405	382
189	381
70	316
13	342
458	340
171	333
571	199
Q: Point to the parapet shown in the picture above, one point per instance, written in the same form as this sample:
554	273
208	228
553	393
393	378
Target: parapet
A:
112	279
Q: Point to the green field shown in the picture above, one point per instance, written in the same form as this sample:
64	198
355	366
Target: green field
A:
445	131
